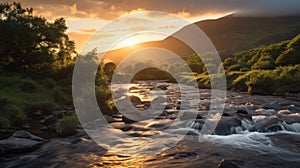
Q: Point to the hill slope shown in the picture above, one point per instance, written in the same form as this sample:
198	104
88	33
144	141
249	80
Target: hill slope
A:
229	34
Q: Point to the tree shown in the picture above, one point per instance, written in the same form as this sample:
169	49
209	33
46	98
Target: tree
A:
109	68
195	63
30	44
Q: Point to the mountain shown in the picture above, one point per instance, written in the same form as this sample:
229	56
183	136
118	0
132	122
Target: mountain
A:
229	34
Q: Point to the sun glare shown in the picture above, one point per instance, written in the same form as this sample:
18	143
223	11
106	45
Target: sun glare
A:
130	42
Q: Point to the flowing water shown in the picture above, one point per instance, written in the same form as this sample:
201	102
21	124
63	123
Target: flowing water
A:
268	136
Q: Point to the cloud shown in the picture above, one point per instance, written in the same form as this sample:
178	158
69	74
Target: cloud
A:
114	8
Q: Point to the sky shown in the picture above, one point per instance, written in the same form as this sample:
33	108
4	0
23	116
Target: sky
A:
85	17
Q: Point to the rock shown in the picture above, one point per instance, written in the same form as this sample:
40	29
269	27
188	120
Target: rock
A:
19	145
109	119
269	124
243	114
26	135
127	120
190	115
227	164
60	113
26	126
284	112
268	112
135	100
48	120
226	124
163	87
203	86
37	113
133	88
226	115
290	119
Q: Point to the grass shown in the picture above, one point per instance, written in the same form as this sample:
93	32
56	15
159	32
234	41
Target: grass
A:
24	95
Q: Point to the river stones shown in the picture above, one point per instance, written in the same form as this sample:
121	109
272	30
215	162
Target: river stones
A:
20	142
26	135
268	124
226	124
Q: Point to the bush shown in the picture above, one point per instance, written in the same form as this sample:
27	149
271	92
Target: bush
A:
44	107
59	96
28	86
277	81
49	83
10	115
67	125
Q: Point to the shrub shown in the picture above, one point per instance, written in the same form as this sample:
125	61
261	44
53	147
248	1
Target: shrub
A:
59	96
67	125
28	86
9	114
49	83
44	107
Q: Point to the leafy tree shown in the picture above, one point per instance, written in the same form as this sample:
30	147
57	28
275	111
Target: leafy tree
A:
109	68
195	63
31	44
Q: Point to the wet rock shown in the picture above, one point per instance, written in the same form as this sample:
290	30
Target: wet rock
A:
227	164
226	115
127	120
268	112
163	87
226	124
109	119
20	142
269	124
187	115
290	119
135	100
243	114
284	112
48	120
26	135
19	145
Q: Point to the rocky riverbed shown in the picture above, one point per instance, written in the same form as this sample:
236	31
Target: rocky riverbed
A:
254	131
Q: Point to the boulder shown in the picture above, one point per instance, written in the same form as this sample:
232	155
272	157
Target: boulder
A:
135	100
20	142
26	135
243	114
269	124
226	124
19	145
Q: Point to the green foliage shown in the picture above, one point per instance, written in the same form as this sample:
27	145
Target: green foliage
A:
28	86
109	68
152	74
31	44
195	63
60	96
67	125
264	62
277	81
9	114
